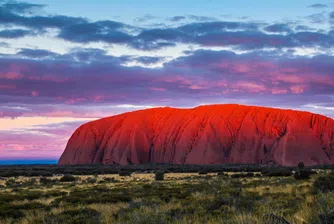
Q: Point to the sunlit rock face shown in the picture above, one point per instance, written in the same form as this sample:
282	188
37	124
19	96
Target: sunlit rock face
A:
213	134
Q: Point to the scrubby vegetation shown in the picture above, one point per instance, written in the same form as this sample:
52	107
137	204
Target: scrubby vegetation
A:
277	172
241	195
50	170
325	183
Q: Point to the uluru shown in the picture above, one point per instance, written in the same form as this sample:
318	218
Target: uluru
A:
212	134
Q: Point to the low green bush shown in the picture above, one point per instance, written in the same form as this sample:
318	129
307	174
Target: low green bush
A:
242	175
221	174
91	180
67	178
327	218
324	183
11	213
125	173
276	172
47	181
159	175
10	182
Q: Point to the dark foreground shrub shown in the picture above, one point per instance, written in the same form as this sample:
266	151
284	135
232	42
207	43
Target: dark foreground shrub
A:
82	216
124	173
38	173
327	218
241	175
32	195
16	211
91	180
11	213
159	175
29	206
249	174
46	181
303	174
202	172
94	195
276	172
222	174
324	183
67	178
236	175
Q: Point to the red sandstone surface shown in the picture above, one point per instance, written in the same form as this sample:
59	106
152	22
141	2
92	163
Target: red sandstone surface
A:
212	134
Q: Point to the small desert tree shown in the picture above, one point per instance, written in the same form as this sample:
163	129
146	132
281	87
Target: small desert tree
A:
301	165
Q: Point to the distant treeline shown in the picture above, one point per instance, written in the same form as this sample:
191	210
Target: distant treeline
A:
50	170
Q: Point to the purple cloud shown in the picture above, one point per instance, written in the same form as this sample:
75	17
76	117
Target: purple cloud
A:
206	31
69	80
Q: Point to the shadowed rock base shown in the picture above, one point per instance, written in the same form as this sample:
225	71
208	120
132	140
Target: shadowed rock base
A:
212	134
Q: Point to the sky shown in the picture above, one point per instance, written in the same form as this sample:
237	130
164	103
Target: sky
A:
64	63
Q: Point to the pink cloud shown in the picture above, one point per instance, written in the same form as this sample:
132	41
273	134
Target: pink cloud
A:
197	87
242	68
75	100
175	79
279	91
34	93
98	98
251	87
11	75
294	79
297	89
158	89
7	87
45	141
52	78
